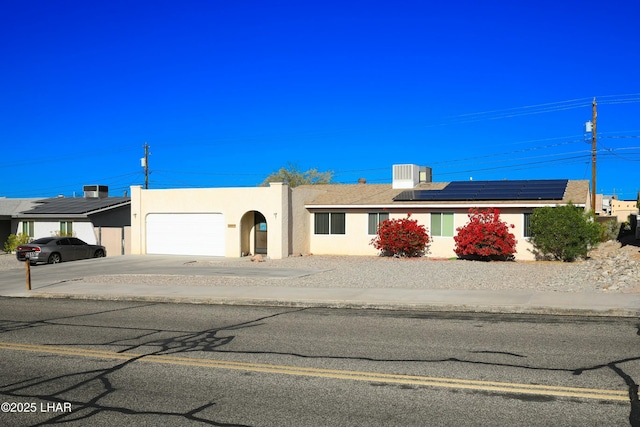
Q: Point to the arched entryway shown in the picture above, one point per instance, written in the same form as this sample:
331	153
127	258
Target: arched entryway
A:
253	234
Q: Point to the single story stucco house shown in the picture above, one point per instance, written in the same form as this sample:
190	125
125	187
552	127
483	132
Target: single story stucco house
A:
333	219
95	218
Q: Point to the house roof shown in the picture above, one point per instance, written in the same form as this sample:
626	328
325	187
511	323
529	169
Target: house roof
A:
11	207
361	195
74	206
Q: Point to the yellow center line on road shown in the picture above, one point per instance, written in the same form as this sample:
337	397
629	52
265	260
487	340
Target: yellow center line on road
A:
531	389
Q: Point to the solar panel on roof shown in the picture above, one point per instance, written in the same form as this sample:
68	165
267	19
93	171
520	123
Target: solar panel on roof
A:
75	205
551	189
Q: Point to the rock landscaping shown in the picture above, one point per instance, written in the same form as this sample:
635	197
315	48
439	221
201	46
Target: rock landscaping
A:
612	267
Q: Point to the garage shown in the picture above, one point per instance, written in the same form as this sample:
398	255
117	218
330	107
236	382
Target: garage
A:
186	234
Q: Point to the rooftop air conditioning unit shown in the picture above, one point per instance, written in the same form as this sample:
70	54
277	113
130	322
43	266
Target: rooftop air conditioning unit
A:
95	191
409	176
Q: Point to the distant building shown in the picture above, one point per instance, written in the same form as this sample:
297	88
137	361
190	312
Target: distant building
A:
621	209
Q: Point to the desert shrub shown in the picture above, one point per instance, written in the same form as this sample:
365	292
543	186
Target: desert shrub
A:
610	229
564	232
485	237
15	240
401	238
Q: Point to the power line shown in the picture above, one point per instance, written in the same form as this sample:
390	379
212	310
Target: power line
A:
619	95
620	136
494	155
521	165
573	102
543	108
65	158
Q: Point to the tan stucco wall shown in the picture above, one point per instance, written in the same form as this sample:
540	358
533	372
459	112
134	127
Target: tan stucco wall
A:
524	247
112	238
621	209
300	238
599	204
356	240
233	203
127	240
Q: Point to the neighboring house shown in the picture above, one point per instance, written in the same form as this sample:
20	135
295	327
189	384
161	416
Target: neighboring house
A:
94	218
9	208
621	209
334	219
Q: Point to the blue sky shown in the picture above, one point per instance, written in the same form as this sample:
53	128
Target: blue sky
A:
227	92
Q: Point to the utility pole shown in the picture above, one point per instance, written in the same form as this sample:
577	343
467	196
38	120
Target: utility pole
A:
145	165
594	115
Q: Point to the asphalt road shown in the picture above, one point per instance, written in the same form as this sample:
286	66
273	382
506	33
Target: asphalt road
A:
125	363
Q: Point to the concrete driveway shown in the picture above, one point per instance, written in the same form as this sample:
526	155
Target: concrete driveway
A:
14	280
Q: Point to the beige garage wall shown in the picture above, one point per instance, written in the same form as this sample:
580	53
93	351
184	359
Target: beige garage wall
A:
115	239
233	203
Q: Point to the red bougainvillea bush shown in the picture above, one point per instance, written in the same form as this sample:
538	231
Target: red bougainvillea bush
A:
485	237
401	238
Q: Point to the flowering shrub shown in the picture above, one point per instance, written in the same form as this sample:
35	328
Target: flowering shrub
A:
485	237
401	238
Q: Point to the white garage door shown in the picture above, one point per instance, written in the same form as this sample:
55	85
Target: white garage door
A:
185	234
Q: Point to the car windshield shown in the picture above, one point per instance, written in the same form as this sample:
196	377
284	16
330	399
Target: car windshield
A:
43	240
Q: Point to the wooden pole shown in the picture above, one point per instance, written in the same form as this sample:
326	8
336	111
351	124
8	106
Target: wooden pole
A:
27	263
594	149
146	166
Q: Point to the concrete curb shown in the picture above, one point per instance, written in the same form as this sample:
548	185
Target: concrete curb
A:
360	305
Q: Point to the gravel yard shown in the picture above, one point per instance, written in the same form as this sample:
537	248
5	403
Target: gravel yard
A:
610	269
376	272
9	261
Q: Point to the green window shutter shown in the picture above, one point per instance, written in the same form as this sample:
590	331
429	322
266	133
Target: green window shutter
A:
373	223
436	224
375	219
447	224
337	223
321	223
66	228
527	225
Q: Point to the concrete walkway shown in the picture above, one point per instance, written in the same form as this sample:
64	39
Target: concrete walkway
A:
442	300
